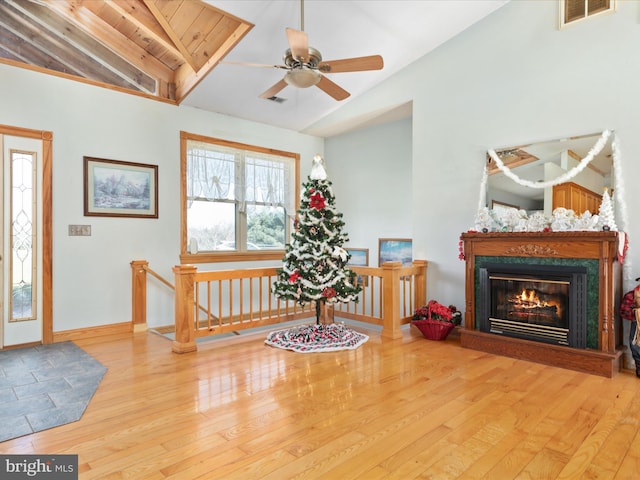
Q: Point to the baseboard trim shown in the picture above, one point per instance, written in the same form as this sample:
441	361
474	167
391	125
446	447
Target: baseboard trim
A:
90	332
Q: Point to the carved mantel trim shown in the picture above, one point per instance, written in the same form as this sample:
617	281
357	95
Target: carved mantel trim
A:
531	249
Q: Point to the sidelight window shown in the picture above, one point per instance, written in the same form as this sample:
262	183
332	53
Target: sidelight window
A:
22	271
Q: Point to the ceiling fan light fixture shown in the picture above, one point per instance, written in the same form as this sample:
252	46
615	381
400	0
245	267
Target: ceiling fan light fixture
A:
302	77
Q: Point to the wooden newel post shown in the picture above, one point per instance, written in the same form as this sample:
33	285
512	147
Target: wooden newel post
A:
184	309
391	300
139	295
420	292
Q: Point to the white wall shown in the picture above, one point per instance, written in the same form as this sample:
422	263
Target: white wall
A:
371	175
92	275
514	78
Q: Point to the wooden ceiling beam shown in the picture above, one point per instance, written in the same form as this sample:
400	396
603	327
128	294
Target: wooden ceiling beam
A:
7	54
186	79
157	48
78	39
515	157
28	42
36	33
89	22
150	29
16	48
159	15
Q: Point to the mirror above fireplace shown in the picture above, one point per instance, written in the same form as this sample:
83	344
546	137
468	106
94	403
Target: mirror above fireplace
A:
544	162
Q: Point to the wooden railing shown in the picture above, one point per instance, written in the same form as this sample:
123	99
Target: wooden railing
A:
390	294
213	302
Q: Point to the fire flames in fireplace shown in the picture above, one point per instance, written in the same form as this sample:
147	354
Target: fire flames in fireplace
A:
530	301
527	306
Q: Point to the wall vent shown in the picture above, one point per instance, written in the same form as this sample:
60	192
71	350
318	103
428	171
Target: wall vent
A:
573	11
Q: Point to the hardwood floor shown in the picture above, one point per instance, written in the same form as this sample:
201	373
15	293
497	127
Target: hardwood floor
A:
392	409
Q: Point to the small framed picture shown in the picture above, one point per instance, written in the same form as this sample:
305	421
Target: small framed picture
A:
500	206
114	188
395	250
359	258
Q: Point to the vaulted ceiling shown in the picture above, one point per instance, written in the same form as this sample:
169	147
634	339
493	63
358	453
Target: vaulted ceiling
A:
183	51
155	47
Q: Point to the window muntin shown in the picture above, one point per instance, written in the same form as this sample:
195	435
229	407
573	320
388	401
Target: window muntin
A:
238	200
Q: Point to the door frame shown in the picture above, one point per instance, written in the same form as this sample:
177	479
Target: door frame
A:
47	222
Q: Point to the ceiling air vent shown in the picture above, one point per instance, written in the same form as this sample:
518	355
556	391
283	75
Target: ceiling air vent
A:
572	11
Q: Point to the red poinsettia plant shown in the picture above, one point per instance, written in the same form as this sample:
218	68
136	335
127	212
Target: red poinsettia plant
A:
437	311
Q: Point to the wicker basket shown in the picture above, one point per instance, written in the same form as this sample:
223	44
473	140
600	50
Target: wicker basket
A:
434	329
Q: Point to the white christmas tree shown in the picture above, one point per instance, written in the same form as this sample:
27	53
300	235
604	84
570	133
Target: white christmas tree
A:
315	263
607	219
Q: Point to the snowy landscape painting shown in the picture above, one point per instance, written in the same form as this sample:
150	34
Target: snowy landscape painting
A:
116	189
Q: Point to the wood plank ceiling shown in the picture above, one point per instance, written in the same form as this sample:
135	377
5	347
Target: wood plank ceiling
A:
155	48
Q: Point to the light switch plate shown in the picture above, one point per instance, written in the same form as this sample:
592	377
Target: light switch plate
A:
79	230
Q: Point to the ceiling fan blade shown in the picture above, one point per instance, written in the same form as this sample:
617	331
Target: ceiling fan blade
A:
274	89
331	88
357	64
299	44
259	65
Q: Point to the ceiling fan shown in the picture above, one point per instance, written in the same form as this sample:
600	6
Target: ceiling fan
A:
305	67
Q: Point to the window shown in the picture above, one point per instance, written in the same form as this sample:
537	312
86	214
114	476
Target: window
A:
572	11
238	201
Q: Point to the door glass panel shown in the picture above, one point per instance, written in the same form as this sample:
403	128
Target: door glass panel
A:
22	236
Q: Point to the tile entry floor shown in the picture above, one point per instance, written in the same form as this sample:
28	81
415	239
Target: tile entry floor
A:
45	386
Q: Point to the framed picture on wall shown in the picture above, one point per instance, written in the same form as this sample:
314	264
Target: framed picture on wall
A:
501	206
395	250
113	188
359	258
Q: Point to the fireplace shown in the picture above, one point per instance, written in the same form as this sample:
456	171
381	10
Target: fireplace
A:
542	303
547	297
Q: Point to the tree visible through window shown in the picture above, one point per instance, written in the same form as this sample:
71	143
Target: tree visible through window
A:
237	199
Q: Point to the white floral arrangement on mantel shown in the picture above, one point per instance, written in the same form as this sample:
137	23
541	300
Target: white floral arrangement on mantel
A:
563	220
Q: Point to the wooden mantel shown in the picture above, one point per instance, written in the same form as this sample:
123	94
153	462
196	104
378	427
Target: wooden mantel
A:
604	360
